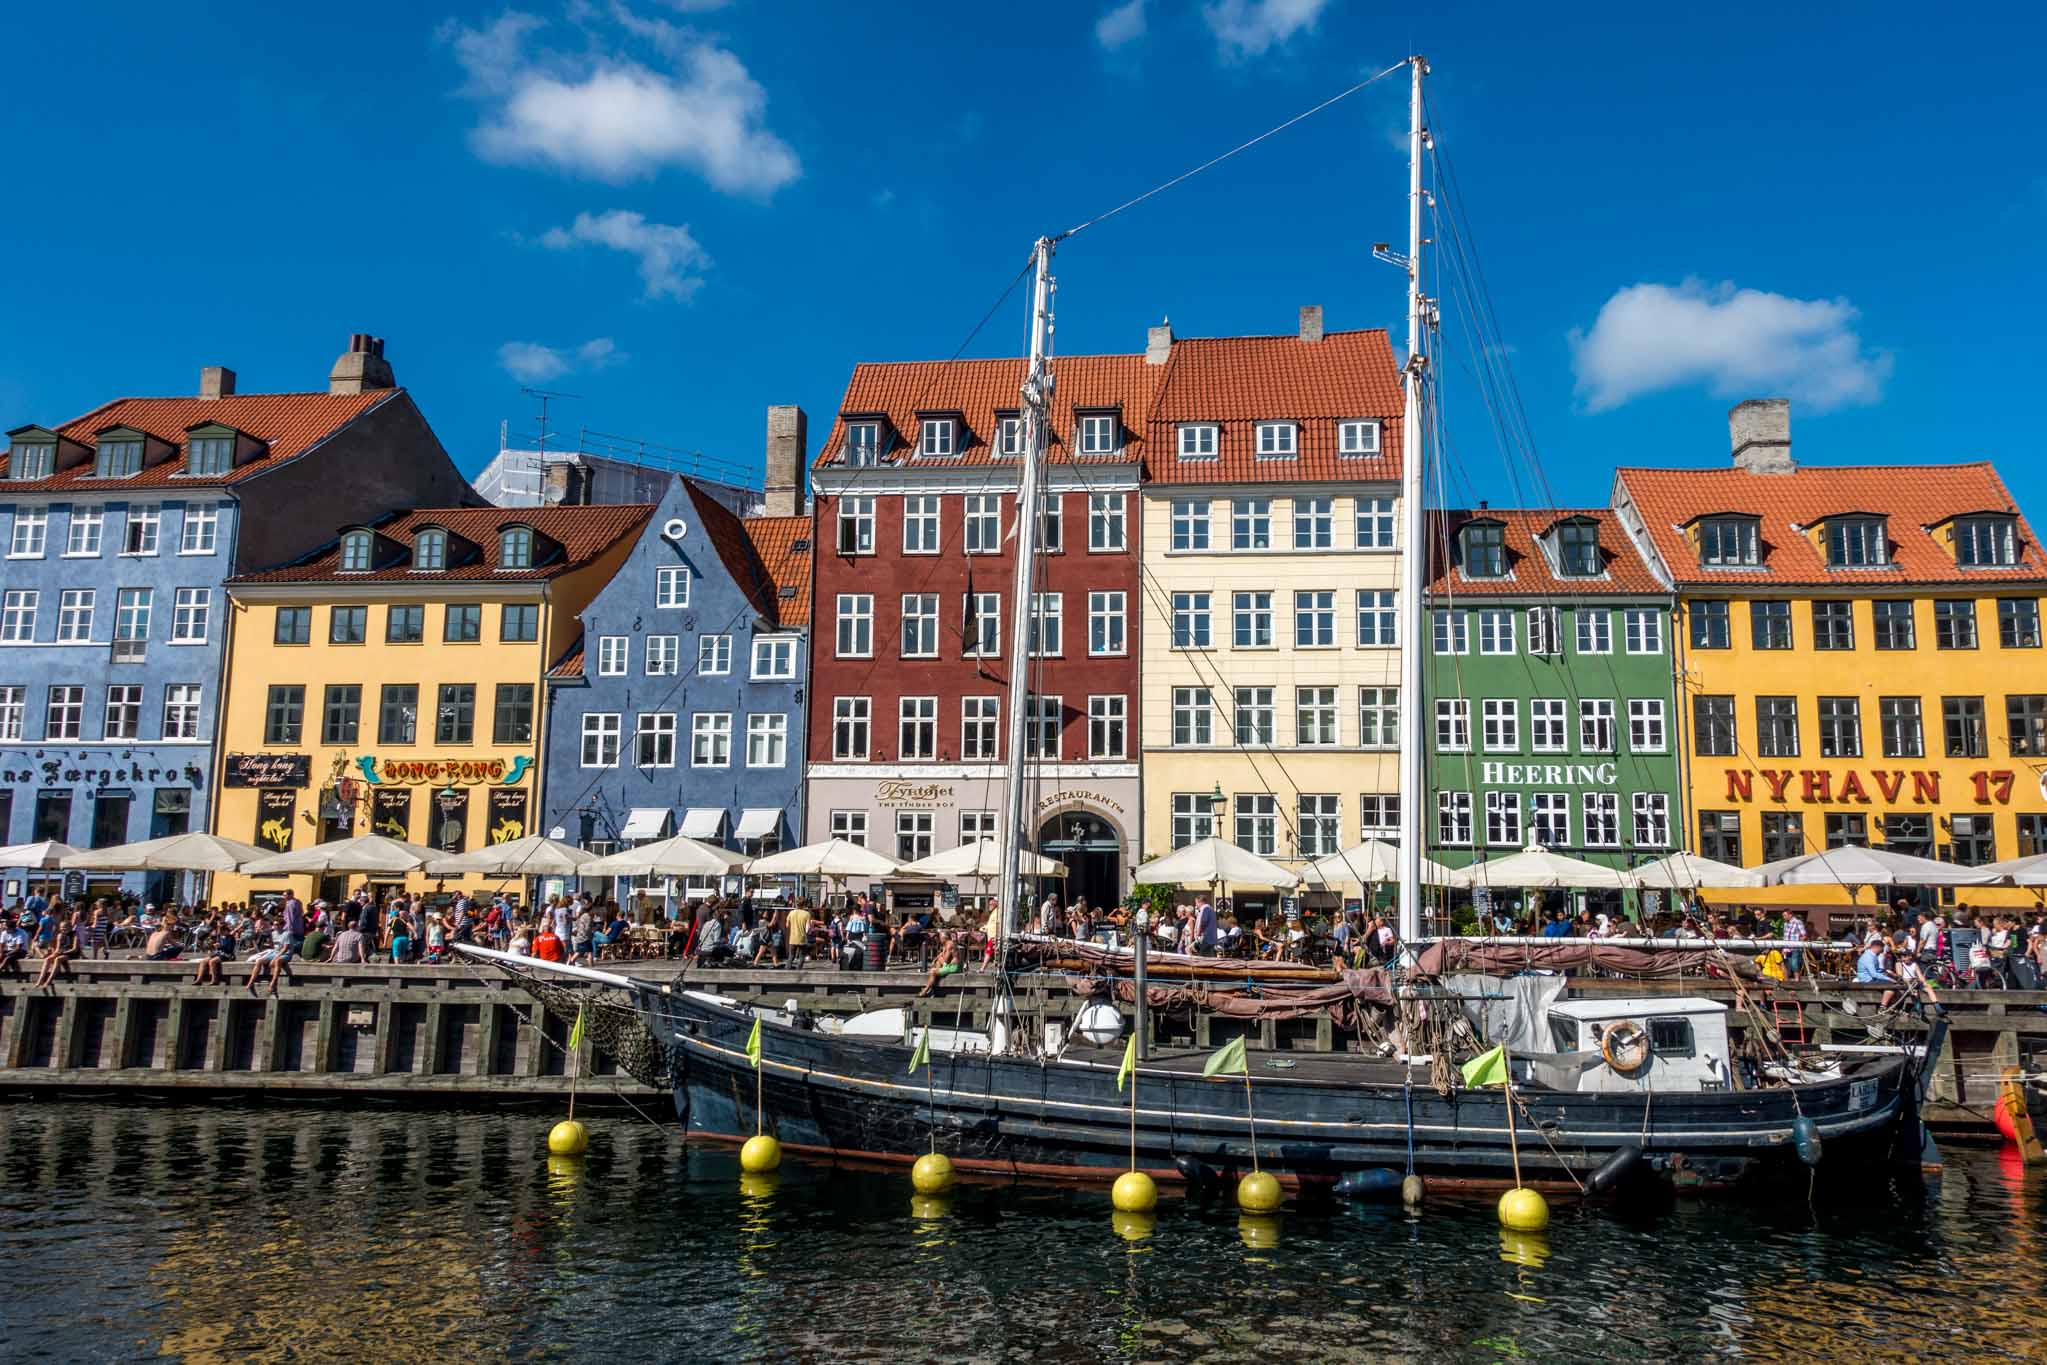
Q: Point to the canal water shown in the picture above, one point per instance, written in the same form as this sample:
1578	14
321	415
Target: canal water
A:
210	1232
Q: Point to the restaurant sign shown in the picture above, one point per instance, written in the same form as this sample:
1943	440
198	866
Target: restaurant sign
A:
913	795
451	772
1892	786
268	770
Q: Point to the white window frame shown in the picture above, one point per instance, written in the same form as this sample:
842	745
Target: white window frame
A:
1594	630
1048	625
602	730
1098	433
980	729
1046	728
1651	819
1193	717
75	609
1190	523
1450	630
857	512
614	655
981	625
1382	704
181	710
123	716
1192	608
1357	436
1009	437
1550	813
1318	824
1193	818
714	655
1278	440
915	832
1545	631
13	710
85	532
654	736
1250	525
31	533
918	636
1251	619
1107	524
1380	608
1453	725
358	553
1199	441
863	444
1503	826
850	825
1549	727
191	616
1317	724
1453	819
1596	716
663	655
937	438
767	739
1314	523
64	712
917	715
199	529
852	716
774	658
1108	716
1496	633
923	525
853	626
671	586
1254	717
1107	624
1648	729
1376	527
983	523
1255	823
1315	615
1644	630
1500	725
710	739
18	615
1599	811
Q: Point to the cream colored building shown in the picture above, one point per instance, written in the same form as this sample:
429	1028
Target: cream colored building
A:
1271	619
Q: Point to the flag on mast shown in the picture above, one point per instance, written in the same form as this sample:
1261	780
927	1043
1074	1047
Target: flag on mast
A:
753	1045
1488	1068
922	1056
576	1033
1129	1067
1229	1057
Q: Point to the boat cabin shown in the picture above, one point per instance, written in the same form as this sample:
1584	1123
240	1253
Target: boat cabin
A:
1685	1047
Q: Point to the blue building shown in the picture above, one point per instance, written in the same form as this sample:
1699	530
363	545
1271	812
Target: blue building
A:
680	711
119	529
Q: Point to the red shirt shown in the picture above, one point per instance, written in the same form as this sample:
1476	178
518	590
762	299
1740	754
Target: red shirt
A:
548	948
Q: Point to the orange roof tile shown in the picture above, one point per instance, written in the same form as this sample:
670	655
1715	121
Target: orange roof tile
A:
1913	499
784	549
583	533
570	664
1529	570
289	424
1237	382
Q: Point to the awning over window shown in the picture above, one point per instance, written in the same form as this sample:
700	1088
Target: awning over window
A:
646	822
701	822
754	822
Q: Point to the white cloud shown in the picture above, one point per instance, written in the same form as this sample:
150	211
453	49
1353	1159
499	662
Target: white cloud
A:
531	363
1249	28
671	260
1120	26
1736	342
601	112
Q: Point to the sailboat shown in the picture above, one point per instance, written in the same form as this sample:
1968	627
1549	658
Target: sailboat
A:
1652	1086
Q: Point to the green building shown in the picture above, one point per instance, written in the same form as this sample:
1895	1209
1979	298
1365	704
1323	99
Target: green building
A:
1549	711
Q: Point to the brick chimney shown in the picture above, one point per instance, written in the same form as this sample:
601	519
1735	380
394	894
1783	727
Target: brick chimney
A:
1311	322
361	367
216	381
1158	343
1759	429
788	440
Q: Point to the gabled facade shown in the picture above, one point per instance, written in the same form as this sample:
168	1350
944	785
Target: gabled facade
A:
389	682
1270	603
120	529
1550	711
1860	653
679	708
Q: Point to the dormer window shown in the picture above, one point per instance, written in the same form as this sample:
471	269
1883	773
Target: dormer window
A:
209	456
29	460
1986	542
1727	542
1857	543
1009	437
1578	549
1198	441
515	548
430	550
1485	550
357	548
938	439
1098	433
1277	440
118	459
863	443
1357	437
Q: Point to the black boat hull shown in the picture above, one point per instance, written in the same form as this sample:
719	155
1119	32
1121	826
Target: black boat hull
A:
855	1100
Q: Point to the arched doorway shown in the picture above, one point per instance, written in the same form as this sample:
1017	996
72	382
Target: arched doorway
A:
1092	852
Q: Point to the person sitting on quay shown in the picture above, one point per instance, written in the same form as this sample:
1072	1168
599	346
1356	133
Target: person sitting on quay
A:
318	938
164	942
269	959
947	962
213	945
13	944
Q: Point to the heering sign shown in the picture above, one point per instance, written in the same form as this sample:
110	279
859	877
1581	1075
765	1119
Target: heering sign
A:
1496	774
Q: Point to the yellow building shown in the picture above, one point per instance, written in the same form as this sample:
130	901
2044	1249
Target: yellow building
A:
390	683
1859	654
1270	637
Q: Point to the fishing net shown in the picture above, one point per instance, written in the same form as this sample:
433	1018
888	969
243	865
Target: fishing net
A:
611	1020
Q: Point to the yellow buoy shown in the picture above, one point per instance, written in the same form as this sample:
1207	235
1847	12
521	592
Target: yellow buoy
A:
760	1154
932	1174
1524	1210
568	1138
1258	1192
929	1207
1134	1225
1529	1249
1134	1192
1411	1190
759	1185
562	1171
1260	1231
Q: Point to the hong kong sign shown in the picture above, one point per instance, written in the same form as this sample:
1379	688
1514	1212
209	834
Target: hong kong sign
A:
268	770
452	772
1892	786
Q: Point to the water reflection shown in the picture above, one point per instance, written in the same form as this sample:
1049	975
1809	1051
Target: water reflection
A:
270	1233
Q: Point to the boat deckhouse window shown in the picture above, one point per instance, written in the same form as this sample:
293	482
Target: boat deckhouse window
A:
118	459
430	550
863	443
940	438
1485	550
515	548
355	552
1856	543
32	460
1727	542
1986	542
1578	549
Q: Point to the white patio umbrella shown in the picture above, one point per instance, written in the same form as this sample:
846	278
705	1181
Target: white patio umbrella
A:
834	858
363	853
1369	864
1535	868
2028	871
982	859
194	852
1852	865
677	857
1685	871
43	856
536	855
1214	860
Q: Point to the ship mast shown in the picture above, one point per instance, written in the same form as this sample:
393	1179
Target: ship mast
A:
1037	397
1414	556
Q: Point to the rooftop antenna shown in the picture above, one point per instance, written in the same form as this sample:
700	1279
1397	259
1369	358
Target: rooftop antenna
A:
545	396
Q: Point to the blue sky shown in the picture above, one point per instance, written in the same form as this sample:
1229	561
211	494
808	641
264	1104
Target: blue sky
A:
687	211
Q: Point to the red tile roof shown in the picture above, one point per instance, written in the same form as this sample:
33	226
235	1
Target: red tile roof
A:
584	533
979	389
1529	570
288	423
570	664
1241	381
783	545
1914	500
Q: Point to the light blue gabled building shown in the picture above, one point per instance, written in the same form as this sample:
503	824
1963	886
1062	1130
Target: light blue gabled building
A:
681	710
119	529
